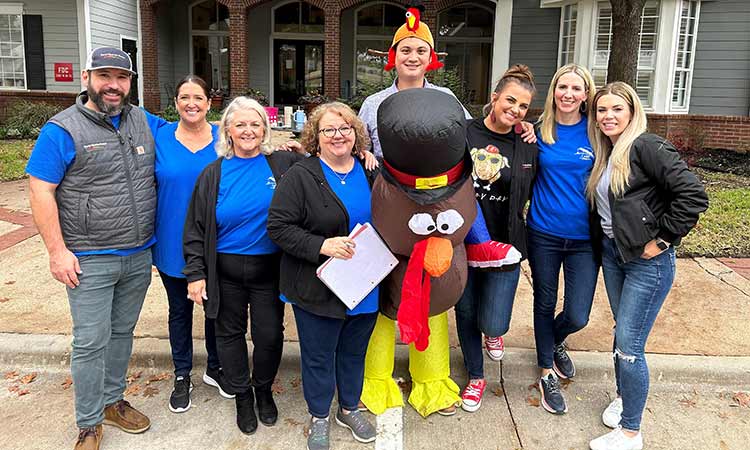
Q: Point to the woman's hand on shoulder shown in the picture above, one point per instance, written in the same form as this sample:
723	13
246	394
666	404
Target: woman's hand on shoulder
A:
292	146
341	247
197	291
528	135
371	162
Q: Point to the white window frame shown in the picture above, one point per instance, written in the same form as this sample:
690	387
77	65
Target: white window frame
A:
565	32
689	50
209	33
16	9
367	37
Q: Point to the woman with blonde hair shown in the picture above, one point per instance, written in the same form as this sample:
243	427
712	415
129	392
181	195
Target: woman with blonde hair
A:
558	228
231	263
646	199
316	206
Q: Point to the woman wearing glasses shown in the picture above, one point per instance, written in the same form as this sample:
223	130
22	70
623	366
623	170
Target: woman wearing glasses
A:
314	209
231	263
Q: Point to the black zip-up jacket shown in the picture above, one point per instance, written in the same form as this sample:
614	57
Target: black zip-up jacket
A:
304	212
663	198
200	235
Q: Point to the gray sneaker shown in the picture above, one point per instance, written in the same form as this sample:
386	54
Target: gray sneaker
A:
319	437
361	428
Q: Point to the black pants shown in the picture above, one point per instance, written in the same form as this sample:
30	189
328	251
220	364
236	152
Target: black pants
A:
249	280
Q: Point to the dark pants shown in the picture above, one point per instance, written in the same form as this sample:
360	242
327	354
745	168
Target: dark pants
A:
485	307
249	280
546	254
181	327
332	358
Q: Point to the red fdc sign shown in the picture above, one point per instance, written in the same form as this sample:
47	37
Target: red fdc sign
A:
63	71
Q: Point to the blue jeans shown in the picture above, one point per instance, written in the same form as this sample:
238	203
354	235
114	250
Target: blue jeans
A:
332	356
636	292
485	307
105	308
546	254
181	327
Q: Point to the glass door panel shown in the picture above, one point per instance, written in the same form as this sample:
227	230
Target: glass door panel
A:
313	68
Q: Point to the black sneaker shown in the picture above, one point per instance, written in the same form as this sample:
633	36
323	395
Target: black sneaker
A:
552	398
215	378
562	364
267	411
179	401
246	419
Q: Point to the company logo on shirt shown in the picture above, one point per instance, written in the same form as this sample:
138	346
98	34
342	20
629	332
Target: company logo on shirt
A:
271	183
584	154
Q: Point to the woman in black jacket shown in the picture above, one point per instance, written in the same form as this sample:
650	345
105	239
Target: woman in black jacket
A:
231	263
315	207
647	200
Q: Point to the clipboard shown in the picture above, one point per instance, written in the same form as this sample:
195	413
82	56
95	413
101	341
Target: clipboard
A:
353	279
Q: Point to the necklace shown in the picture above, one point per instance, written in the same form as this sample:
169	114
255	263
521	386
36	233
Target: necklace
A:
342	179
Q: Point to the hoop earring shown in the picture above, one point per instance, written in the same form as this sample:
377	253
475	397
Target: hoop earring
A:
583	108
230	143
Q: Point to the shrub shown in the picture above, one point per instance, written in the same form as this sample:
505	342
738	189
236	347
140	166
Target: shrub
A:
25	119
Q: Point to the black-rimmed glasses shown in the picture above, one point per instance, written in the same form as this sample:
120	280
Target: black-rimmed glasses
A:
346	130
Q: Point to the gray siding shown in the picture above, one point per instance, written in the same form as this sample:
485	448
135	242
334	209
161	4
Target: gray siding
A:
721	73
258	47
60	29
347	52
110	19
534	41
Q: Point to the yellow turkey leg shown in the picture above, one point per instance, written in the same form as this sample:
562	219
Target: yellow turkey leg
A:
379	390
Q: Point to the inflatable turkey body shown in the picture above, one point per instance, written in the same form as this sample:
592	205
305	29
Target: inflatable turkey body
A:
423	205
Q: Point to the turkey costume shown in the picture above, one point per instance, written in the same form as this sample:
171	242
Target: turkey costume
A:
423	205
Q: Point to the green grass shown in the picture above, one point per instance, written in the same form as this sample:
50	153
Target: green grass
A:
13	157
723	230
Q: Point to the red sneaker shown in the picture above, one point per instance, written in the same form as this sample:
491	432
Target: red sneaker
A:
472	395
495	347
491	254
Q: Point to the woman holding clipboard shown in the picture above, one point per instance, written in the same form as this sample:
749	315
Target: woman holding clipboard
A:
315	207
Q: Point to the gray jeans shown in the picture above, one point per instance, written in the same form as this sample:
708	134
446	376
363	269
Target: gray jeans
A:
105	308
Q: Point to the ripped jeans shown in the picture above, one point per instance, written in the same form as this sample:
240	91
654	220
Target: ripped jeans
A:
636	292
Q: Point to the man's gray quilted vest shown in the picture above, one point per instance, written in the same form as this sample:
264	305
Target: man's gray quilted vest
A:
107	199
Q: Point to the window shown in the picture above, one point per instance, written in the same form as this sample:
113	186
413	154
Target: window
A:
647	48
569	18
298	17
375	27
210	43
12	61
683	71
465	34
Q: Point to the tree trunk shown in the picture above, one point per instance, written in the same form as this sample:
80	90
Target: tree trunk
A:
626	26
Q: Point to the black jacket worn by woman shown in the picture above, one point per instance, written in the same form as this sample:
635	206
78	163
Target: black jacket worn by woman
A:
304	212
200	234
663	198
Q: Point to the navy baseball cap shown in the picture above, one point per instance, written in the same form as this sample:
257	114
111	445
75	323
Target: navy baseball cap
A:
109	58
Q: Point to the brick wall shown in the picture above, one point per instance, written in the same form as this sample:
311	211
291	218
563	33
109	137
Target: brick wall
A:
699	131
149	53
8	98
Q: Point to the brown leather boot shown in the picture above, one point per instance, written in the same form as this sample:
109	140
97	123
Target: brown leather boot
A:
89	438
126	418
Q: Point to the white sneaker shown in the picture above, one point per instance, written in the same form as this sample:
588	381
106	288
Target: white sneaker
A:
611	415
616	440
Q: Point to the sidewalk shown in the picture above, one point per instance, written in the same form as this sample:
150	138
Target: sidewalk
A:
699	357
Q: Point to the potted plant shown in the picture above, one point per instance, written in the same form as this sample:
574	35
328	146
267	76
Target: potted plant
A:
217	98
311	100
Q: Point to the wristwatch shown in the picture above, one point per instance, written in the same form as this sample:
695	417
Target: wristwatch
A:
662	244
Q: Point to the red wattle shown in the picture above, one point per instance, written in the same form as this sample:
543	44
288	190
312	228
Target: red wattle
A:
414	310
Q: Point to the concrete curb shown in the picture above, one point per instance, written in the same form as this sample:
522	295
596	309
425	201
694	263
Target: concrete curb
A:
52	352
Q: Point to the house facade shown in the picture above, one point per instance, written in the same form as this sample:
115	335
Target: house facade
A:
693	64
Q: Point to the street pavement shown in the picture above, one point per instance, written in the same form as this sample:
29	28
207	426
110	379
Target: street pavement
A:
699	356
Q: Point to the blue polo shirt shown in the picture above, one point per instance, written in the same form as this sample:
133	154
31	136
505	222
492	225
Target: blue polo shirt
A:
52	156
558	202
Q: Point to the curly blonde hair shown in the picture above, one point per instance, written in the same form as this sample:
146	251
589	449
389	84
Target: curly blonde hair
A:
224	147
310	134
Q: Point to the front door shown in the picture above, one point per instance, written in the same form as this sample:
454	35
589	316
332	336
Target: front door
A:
130	47
298	69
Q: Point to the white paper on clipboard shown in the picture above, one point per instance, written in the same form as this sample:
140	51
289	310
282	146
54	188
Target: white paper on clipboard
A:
351	280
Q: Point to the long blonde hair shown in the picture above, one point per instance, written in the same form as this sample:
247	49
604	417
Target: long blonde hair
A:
547	119
224	147
619	154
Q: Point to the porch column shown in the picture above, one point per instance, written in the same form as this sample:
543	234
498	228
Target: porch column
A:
332	50
238	65
149	76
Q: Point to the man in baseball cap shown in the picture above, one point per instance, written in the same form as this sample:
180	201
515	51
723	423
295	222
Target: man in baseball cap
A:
93	199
